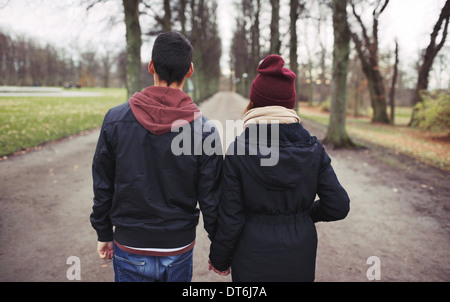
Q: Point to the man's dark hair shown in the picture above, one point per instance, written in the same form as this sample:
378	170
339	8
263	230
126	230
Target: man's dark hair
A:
172	56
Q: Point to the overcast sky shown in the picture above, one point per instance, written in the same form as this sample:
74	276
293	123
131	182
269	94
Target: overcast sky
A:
66	23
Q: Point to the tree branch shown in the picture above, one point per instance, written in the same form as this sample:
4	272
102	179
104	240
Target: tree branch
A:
376	15
147	6
363	28
360	51
445	15
92	4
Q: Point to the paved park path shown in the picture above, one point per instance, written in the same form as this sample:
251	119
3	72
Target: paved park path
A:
399	214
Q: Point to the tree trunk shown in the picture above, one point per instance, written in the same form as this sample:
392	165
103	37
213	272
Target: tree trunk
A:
378	97
311	80
367	50
293	64
167	21
134	42
275	43
182	15
337	134
430	53
394	80
255	55
322	76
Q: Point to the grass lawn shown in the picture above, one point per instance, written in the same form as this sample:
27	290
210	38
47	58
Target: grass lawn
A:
26	122
428	147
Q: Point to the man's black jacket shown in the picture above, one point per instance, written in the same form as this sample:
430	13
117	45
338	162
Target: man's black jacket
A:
147	191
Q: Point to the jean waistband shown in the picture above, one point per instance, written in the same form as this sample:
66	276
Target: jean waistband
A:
154	253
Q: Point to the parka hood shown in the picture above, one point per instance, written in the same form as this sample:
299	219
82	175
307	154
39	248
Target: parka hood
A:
295	154
157	108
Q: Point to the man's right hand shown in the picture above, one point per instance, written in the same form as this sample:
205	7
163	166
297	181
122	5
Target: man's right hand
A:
105	250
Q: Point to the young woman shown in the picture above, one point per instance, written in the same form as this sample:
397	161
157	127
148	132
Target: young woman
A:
266	228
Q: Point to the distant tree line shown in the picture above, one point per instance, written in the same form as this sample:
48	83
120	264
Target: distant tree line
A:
25	62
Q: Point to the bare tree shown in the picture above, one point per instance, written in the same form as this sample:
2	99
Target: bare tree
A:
204	37
23	61
337	134
134	42
239	50
246	48
106	63
367	49
4	58
430	53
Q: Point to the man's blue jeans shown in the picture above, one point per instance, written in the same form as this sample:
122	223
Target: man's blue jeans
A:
137	268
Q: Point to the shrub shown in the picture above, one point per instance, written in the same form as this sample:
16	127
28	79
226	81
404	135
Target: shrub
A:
434	112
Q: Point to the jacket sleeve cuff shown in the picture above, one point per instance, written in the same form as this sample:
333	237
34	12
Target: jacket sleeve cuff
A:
105	236
219	259
314	211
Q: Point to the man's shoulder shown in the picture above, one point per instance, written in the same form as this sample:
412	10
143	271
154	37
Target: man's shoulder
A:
208	125
118	113
120	108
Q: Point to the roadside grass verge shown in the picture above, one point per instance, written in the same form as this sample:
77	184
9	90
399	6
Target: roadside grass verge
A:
26	122
432	148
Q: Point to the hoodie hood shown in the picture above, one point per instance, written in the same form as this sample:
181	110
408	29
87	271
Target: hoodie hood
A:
297	149
157	108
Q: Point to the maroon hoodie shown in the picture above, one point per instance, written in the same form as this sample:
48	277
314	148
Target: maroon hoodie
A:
157	108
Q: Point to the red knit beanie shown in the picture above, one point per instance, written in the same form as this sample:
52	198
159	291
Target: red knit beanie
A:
274	85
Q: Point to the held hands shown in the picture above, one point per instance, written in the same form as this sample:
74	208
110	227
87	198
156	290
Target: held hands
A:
222	273
105	250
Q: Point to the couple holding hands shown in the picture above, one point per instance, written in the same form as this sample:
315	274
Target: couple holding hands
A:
260	219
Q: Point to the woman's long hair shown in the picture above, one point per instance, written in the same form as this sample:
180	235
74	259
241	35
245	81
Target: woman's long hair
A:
250	106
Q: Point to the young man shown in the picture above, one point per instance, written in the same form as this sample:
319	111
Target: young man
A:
144	189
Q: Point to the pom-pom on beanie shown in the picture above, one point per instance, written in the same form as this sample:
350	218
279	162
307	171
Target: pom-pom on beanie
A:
274	84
